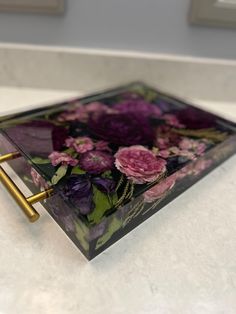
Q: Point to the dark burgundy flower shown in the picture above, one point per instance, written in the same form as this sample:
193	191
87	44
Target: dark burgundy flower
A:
138	106
194	118
122	129
96	162
79	190
38	137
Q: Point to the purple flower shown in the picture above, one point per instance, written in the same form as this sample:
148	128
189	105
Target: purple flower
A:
79	190
62	158
194	118
122	129
138	106
80	144
96	162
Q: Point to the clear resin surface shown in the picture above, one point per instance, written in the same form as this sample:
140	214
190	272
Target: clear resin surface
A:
115	158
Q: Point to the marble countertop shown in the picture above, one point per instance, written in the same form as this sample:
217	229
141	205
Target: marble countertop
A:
180	261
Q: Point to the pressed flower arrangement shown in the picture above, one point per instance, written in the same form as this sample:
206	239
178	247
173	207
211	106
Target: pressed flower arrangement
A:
115	158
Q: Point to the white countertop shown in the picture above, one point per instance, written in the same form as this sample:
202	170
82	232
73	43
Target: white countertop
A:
180	261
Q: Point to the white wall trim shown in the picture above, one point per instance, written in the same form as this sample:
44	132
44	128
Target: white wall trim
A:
92	69
118	53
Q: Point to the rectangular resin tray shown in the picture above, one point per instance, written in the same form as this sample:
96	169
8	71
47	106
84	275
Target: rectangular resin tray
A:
114	159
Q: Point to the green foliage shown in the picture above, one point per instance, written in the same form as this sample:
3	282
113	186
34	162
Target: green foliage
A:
107	174
60	173
114	226
40	161
77	170
102	203
81	234
147	93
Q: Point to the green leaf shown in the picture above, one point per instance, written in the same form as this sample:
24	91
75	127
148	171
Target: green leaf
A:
77	170
115	225
107	174
60	173
151	95
147	93
102	204
81	234
40	161
70	151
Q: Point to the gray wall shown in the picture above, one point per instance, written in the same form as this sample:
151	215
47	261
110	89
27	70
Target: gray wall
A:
144	25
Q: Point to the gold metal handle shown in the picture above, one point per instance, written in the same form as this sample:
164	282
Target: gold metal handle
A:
24	203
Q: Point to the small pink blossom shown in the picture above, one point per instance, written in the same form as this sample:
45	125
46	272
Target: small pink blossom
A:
165	153
139	164
175	151
172	120
38	180
80	144
62	158
83	112
159	190
195	146
194	168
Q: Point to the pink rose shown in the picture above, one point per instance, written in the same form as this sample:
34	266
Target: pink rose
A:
139	164
38	180
80	144
159	190
62	158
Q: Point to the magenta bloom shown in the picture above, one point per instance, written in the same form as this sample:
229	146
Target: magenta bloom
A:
62	158
139	164
96	162
80	144
122	129
159	190
138	106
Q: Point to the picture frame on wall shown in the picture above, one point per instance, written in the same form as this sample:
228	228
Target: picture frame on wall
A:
33	6
217	13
